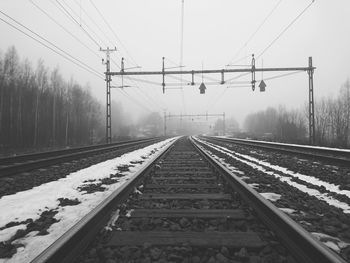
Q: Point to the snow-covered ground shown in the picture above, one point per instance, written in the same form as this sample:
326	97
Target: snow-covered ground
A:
290	144
31	203
285	175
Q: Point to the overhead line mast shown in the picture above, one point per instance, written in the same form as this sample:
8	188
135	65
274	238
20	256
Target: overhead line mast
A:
108	80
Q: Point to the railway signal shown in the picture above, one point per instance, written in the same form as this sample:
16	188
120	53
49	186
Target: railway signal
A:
202	88
262	86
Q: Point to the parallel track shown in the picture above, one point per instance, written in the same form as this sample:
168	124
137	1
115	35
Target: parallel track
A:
28	162
184	183
321	153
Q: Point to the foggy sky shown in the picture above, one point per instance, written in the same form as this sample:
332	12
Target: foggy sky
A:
214	31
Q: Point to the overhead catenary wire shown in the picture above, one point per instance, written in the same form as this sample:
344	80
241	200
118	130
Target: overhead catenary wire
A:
91	70
134	80
238	60
285	29
136	101
111	42
255	32
69	15
283	75
50	48
65	11
83	23
211	103
145	81
134	83
147	96
113	32
83	64
181	50
65	29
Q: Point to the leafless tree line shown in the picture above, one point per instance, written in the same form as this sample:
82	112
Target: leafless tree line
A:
332	118
332	122
277	124
40	108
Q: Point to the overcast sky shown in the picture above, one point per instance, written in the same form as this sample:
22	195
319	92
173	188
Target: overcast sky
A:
215	33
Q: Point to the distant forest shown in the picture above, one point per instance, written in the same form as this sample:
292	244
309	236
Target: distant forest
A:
39	108
332	122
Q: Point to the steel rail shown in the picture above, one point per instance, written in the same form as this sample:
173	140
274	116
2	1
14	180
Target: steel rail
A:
32	156
302	245
44	162
304	248
327	154
71	244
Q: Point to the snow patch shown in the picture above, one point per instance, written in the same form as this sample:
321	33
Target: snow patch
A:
271	196
287	179
332	242
31	203
287	210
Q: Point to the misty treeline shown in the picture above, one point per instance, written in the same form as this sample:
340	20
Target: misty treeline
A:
39	108
332	122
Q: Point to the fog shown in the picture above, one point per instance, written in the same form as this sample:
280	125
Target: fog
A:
215	33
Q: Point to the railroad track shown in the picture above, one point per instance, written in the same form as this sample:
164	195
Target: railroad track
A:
185	207
322	153
24	163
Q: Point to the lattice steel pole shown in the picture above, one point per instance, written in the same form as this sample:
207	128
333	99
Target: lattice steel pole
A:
108	94
311	103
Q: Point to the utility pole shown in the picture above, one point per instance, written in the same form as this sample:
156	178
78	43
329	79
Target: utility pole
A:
108	94
311	103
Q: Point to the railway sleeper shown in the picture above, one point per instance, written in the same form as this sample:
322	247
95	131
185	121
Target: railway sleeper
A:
178	226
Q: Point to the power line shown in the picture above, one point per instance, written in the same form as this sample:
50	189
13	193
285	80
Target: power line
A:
8	23
93	21
85	66
283	75
102	41
216	100
111	29
154	103
145	94
136	101
145	81
136	85
134	80
83	22
181	50
65	11
105	21
257	30
109	40
66	30
286	28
